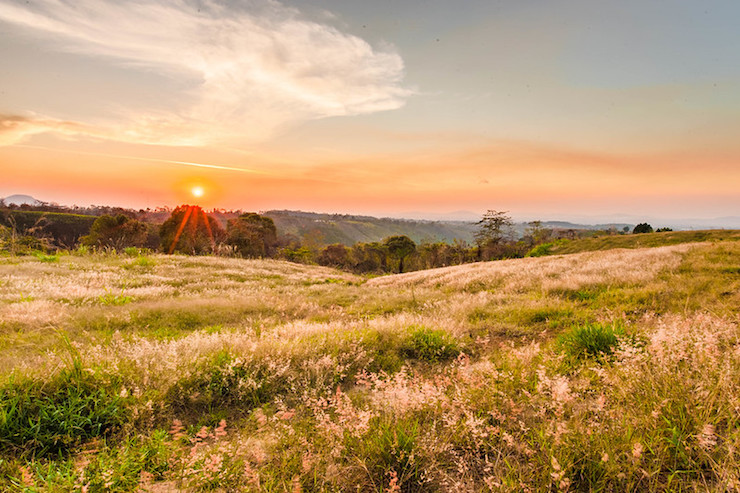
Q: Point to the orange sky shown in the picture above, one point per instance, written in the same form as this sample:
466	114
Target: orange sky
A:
338	106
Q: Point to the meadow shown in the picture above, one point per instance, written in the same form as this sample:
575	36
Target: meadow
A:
611	370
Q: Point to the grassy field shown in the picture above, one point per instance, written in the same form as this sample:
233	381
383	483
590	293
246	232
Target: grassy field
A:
611	370
643	240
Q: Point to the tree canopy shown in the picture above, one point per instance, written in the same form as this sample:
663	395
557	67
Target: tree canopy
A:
252	235
642	228
400	247
190	230
493	227
116	232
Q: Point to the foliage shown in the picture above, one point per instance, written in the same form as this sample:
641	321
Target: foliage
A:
536	234
493	228
119	232
591	340
430	345
642	228
59	229
51	416
545	248
190	230
46	258
400	247
336	255
252	235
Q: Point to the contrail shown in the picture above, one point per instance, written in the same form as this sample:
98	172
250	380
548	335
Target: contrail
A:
156	160
195	165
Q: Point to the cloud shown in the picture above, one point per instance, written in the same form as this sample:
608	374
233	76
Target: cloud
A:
252	68
15	128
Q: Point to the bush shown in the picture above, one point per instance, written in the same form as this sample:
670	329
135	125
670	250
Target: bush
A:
642	228
593	340
430	345
544	249
46	258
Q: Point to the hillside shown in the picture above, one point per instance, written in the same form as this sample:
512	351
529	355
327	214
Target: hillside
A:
348	230
66	229
597	371
644	240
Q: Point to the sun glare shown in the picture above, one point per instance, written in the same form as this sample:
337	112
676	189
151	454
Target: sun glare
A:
197	191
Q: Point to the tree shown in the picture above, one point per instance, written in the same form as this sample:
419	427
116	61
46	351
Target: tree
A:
252	235
116	232
190	230
336	255
400	247
642	228
369	257
536	233
493	228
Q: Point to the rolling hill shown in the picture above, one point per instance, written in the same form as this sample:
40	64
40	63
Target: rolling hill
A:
609	370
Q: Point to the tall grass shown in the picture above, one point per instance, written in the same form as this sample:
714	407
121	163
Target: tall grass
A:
609	371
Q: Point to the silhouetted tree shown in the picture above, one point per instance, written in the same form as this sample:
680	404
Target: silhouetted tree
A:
642	228
190	230
252	235
400	247
493	228
116	232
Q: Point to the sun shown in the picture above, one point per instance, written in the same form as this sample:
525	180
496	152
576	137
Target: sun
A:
197	191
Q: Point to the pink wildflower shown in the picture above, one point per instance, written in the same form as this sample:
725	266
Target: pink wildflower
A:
221	429
26	476
176	431
393	486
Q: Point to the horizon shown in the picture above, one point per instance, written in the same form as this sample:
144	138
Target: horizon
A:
562	110
721	222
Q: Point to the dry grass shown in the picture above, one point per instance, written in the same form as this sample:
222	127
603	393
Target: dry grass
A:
286	377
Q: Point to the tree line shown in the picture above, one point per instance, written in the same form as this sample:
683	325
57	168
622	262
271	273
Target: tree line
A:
188	229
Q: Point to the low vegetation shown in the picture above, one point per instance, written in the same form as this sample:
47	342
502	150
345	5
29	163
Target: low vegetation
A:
596	371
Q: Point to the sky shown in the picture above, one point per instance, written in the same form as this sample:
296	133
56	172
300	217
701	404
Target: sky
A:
548	109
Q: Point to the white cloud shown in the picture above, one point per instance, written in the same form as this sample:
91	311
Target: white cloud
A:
257	67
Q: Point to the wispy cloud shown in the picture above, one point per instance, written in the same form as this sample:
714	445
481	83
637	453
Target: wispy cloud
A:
15	128
253	68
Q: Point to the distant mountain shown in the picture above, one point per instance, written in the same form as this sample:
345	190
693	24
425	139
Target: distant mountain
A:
726	222
21	200
466	216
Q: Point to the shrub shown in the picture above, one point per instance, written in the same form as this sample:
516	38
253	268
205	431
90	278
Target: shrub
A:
430	345
642	228
592	340
131	251
46	258
545	248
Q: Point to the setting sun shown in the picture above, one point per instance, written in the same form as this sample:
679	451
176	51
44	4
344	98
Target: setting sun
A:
197	191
